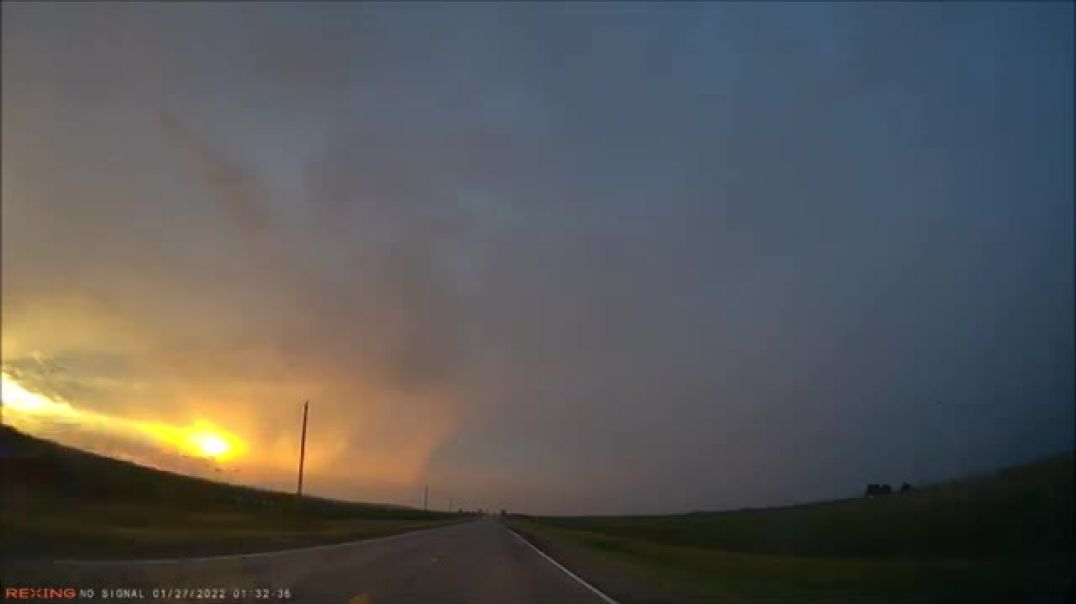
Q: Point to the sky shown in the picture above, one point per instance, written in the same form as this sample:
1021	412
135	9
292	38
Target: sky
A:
556	258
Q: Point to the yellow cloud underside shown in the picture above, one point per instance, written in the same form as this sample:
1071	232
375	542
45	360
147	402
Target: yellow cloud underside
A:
200	439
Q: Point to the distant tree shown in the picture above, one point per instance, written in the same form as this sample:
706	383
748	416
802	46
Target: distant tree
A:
877	490
904	488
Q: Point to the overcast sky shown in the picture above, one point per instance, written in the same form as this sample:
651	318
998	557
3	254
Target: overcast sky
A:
552	258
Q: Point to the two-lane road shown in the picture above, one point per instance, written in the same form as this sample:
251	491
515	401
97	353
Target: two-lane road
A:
480	562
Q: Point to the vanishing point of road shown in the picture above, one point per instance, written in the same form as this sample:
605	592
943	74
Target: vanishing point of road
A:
478	562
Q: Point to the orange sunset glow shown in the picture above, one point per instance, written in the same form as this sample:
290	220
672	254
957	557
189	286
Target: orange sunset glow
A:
26	410
93	372
261	458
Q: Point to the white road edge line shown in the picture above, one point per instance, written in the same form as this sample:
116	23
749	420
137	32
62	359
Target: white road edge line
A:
582	582
279	552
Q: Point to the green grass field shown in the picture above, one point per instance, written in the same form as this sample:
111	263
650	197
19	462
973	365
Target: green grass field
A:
1006	537
59	502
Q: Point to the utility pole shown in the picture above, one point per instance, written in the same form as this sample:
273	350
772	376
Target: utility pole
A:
426	499
449	504
302	448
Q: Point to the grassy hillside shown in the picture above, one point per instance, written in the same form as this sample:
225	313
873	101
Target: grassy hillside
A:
63	502
989	538
1023	509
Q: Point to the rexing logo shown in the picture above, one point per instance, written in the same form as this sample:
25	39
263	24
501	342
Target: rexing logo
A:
39	593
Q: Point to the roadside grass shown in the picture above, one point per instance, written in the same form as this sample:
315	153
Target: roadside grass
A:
92	532
59	502
635	570
1007	537
1023	509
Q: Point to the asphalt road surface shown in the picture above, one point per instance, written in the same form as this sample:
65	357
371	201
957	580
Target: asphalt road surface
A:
479	562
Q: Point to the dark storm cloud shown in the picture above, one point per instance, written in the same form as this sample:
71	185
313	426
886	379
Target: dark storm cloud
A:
622	257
